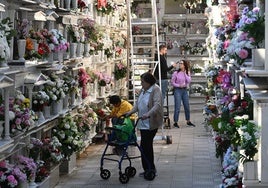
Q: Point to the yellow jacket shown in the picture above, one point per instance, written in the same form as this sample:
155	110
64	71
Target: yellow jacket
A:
124	107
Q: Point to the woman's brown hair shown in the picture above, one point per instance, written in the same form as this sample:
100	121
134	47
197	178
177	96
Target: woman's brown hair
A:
186	65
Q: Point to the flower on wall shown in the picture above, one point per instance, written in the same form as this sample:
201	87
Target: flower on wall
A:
23	28
252	23
51	150
69	136
11	175
28	166
120	71
107	7
40	99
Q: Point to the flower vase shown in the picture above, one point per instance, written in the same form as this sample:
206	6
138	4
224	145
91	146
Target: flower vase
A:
73	47
74	4
66	102
35	44
91	89
102	91
41	117
3	63
56	107
50	57
58	56
2	124
67	4
79	49
21	49
86	49
72	97
32	183
46	112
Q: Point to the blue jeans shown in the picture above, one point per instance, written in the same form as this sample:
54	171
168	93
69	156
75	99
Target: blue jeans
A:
164	88
181	95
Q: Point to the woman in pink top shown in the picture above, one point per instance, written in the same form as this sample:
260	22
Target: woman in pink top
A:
180	80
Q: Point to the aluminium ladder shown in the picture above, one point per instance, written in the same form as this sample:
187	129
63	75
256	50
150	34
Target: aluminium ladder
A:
143	45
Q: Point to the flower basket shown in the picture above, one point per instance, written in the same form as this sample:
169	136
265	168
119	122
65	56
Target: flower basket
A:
67	166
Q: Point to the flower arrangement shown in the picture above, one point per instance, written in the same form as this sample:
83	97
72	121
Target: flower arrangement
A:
73	33
35	148
252	23
239	46
90	28
69	136
93	76
40	99
6	33
41	171
10	175
103	79
24	117
231	177
51	151
85	119
83	79
28	166
23	28
54	88
250	133
120	71
107	8
56	41
43	48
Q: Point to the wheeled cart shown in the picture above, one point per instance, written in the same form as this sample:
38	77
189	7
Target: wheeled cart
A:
116	141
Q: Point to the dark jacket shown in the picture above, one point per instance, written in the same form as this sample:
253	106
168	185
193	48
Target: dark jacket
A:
163	67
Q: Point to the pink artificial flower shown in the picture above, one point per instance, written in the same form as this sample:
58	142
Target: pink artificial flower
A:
243	54
226	44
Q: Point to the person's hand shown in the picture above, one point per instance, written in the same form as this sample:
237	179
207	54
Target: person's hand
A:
144	116
127	114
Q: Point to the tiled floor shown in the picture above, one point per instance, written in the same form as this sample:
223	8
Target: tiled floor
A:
189	162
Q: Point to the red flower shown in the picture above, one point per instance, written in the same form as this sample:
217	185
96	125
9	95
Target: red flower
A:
244	104
81	4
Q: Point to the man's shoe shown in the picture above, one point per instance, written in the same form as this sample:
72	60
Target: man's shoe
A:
190	124
176	125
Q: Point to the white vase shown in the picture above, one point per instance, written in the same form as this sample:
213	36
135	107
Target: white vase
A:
3	63
86	49
57	107
35	44
73	47
79	49
41	117
21	49
67	4
102	91
58	56
66	102
91	89
74	4
50	57
46	112
2	124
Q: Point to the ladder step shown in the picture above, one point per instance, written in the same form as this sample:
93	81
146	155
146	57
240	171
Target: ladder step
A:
143	21
144	62
144	35
142	58
143	46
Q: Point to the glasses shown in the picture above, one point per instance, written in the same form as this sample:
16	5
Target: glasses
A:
180	63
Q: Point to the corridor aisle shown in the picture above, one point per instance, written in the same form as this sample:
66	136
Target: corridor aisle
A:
189	162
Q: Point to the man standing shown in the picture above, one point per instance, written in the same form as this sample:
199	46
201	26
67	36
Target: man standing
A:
163	69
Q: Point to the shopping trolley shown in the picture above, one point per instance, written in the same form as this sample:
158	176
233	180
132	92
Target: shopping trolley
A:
122	137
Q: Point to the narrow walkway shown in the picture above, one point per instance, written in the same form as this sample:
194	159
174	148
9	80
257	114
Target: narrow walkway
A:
189	162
